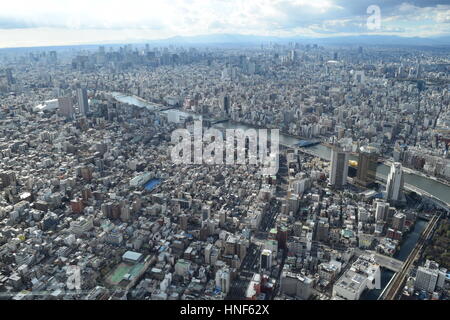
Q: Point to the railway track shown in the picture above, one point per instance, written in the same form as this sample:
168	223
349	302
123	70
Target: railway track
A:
392	291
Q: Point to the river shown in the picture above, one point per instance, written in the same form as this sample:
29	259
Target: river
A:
433	187
405	249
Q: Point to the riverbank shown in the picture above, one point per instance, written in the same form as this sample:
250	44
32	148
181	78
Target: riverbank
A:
405	249
428	185
389	162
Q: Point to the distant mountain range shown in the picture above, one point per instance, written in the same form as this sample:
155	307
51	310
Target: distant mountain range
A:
253	40
344	40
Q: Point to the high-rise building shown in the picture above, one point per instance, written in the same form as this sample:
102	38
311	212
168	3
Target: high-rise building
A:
430	277
398	221
395	182
367	166
9	76
226	104
266	259
359	77
183	222
182	267
381	212
322	230
296	285
53	58
208	250
339	167
83	103
223	279
65	107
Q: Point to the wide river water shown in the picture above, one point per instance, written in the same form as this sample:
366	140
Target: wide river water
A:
433	187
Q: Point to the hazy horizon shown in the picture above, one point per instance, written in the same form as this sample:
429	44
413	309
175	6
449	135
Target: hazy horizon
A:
67	22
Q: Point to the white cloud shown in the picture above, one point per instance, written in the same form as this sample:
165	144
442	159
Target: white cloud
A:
24	21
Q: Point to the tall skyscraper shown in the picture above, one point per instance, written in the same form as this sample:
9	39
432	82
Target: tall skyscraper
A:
395	182
266	259
9	76
339	167
226	104
83	104
65	106
367	166
53	58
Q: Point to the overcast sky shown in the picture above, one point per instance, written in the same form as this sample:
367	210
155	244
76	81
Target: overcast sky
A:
65	22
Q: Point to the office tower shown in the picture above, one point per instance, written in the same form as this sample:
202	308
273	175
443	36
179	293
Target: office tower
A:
230	246
418	72
206	212
339	167
292	55
266	259
293	203
359	77
430	277
222	218
322	230
381	211
282	236
300	186
53	58
65	106
390	215
208	251
398	221
183	222
223	279
83	103
9	76
125	212
395	182
226	104
7	178
367	166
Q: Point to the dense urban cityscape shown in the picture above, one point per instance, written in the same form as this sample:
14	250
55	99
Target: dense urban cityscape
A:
93	207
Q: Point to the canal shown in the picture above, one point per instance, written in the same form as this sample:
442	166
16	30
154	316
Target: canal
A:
406	248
